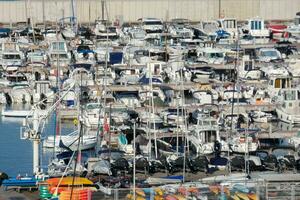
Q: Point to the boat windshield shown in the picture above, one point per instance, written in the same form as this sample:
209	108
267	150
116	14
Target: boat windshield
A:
60	46
11	56
139	35
283	152
210	26
93	106
60	56
207	122
152	22
119	109
16	78
269	53
215	55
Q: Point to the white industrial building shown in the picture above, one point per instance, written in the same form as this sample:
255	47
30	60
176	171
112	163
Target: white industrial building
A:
131	10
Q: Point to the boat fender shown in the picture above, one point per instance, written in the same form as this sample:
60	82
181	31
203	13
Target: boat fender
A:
122	139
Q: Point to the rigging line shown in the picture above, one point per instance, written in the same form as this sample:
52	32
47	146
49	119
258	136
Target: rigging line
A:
76	161
233	92
80	135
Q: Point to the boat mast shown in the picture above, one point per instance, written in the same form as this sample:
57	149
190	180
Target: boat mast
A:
134	151
36	139
153	112
73	17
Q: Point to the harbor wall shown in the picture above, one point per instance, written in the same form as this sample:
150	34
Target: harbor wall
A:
131	10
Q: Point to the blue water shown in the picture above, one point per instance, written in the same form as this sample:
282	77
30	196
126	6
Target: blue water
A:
16	154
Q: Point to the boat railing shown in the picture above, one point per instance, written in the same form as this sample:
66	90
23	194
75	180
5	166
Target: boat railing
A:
24	133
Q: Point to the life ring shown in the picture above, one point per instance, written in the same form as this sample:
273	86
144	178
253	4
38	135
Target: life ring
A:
75	122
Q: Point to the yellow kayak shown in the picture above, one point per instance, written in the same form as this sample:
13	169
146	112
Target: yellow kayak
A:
179	197
235	197
214	189
140	192
242	196
159	191
158	197
137	197
253	196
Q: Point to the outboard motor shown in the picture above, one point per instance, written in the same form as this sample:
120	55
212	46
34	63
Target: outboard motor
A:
176	163
199	163
3	176
157	165
142	164
8	99
270	162
120	164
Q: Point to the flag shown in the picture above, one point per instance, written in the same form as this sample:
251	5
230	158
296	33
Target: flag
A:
105	125
79	157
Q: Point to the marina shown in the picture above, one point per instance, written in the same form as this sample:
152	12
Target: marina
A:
133	106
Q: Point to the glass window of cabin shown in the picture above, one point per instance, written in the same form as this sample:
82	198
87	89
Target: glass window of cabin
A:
210	136
55	45
277	83
283	83
192	148
61	46
11	56
297	21
248	66
157	69
229	24
298	94
293	95
252	25
290	95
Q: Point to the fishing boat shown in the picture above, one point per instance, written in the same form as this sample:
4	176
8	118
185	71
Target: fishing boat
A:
71	142
288	109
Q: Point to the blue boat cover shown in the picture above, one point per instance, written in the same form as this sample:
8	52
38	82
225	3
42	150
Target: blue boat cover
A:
173	177
115	57
146	81
23	182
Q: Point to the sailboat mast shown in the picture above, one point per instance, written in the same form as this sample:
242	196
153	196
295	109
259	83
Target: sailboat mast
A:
134	150
153	112
73	16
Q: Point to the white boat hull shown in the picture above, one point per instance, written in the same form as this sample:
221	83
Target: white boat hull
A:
288	118
17	113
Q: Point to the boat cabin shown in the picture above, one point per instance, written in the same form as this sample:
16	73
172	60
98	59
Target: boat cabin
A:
276	83
256	28
211	55
229	25
248	70
152	25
